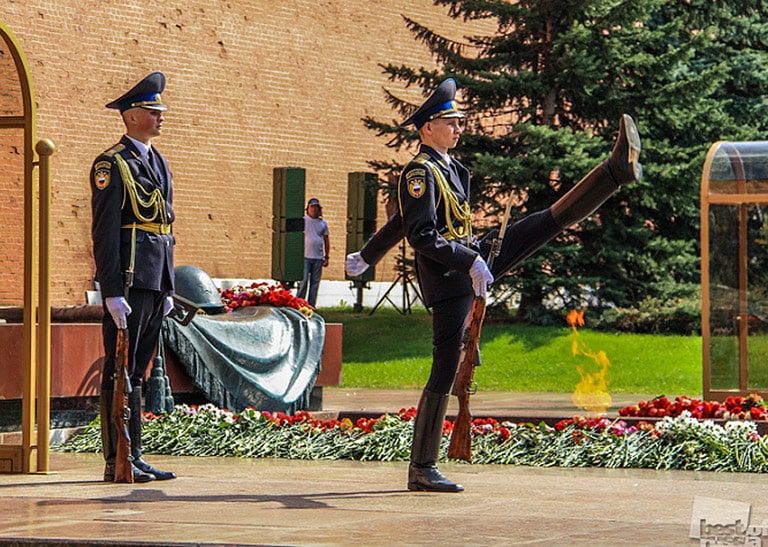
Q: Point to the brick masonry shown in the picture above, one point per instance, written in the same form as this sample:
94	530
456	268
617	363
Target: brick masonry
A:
252	85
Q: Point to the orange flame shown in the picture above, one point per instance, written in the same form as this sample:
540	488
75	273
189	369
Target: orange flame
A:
591	393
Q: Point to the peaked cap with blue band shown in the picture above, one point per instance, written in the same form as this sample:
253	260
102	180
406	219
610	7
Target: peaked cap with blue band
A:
440	104
145	94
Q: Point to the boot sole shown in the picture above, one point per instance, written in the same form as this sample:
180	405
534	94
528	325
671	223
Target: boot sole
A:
416	487
635	147
164	476
144	467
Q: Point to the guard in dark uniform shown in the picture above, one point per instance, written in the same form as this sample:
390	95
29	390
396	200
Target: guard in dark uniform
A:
434	216
131	199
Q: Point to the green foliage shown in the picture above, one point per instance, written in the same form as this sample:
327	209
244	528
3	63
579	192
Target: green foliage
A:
672	443
655	316
210	431
544	93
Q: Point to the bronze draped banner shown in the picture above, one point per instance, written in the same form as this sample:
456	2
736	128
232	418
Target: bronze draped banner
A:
263	357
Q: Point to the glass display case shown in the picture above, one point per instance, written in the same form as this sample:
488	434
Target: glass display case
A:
734	269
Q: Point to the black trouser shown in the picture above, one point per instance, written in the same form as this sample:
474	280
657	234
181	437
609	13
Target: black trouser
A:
523	238
144	323
449	316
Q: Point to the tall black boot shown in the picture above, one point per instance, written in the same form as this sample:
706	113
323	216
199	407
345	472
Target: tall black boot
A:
140	467
427	432
108	434
622	167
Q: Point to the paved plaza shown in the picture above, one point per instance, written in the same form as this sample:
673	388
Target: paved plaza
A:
229	501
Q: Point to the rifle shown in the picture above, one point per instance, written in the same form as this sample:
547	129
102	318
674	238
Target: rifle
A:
121	413
464	384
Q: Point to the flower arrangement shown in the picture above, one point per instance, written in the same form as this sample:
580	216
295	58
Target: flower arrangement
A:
263	294
680	442
735	407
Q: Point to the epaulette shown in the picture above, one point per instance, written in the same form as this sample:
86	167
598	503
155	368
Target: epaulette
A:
421	158
114	150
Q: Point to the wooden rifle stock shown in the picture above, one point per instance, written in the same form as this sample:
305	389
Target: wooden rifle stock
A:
464	383
120	410
463	386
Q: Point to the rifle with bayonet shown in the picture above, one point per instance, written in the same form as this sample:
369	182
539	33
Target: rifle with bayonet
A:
464	384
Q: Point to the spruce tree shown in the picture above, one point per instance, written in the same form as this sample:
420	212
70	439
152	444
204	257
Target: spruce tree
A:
544	94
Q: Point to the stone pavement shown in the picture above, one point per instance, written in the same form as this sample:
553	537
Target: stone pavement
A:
229	501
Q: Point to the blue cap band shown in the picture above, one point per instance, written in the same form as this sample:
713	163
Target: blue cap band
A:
438	111
148	100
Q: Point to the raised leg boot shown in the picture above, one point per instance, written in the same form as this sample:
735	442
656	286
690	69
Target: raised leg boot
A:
423	474
140	467
621	167
624	162
108	434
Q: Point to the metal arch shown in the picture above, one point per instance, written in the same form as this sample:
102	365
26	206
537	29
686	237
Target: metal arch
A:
36	365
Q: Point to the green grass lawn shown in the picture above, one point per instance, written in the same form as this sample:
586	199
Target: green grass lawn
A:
392	351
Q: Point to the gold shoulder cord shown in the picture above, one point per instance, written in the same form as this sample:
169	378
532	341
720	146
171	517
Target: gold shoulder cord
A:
453	208
148	200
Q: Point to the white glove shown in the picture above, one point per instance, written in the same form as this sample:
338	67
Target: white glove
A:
119	309
355	265
481	276
167	305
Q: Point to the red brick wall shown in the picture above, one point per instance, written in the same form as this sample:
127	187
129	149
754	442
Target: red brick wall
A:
11	185
252	85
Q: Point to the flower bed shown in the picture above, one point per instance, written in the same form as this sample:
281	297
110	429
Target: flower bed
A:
263	294
735	407
681	442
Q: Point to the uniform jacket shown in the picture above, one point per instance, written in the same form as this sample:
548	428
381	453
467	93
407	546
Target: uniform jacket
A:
153	266
442	265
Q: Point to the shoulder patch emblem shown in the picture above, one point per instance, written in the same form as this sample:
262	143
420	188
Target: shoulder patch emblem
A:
414	178
101	173
414	173
416	186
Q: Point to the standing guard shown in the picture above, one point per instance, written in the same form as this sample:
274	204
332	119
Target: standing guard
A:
131	200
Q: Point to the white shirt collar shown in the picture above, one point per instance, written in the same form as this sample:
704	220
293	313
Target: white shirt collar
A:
143	148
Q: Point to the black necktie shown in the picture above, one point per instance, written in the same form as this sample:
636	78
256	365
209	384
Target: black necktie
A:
155	165
454	170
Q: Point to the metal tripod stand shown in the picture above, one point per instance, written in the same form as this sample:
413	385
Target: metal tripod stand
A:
404	279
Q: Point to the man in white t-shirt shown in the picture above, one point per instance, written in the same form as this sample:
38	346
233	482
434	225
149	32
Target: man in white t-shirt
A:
316	249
